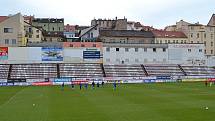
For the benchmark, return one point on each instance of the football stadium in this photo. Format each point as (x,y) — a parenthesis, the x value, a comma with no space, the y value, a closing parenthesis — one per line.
(112,70)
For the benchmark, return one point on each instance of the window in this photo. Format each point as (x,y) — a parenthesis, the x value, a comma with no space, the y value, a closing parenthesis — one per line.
(59,28)
(126,49)
(136,60)
(200,50)
(164,49)
(117,49)
(53,28)
(145,49)
(191,35)
(212,44)
(91,34)
(136,49)
(211,36)
(13,41)
(192,27)
(168,41)
(189,50)
(161,41)
(191,41)
(30,30)
(197,35)
(176,41)
(108,49)
(37,36)
(173,41)
(154,49)
(211,51)
(185,41)
(117,60)
(94,45)
(181,41)
(30,36)
(205,51)
(8,30)
(205,35)
(37,31)
(126,60)
(165,41)
(107,59)
(205,43)
(6,41)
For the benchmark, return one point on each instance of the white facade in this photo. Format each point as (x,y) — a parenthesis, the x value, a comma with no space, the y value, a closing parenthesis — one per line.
(153,54)
(90,34)
(69,35)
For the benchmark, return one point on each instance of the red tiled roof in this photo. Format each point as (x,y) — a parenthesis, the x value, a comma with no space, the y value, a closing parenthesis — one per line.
(168,34)
(2,18)
(69,28)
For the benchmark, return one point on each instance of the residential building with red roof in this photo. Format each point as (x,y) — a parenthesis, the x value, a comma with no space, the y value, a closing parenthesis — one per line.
(162,36)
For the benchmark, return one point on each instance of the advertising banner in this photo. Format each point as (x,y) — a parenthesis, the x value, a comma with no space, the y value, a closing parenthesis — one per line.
(35,80)
(52,54)
(193,80)
(3,80)
(60,83)
(62,80)
(3,53)
(42,83)
(6,84)
(21,84)
(164,77)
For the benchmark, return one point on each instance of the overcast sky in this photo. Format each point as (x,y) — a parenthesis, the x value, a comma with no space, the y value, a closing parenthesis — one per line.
(157,13)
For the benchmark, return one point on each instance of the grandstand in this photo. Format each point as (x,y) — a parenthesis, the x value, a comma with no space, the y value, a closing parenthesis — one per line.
(124,71)
(4,69)
(93,70)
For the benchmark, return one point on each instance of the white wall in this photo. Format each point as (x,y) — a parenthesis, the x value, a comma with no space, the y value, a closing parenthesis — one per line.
(143,57)
(174,54)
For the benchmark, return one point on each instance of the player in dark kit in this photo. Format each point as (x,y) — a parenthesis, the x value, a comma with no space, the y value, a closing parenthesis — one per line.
(72,85)
(62,86)
(80,86)
(114,85)
(103,84)
(97,84)
(93,85)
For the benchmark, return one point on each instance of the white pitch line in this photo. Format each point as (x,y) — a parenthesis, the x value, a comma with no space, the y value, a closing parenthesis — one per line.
(11,98)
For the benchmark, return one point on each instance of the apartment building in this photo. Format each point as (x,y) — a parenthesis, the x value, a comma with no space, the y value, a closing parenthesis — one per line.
(12,30)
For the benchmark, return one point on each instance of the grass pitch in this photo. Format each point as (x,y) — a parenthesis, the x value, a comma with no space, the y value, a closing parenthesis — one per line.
(130,102)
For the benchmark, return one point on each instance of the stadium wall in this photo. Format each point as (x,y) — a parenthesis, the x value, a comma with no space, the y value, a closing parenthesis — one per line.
(19,55)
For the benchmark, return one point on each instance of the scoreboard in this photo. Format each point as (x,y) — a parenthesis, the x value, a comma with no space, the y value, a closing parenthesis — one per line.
(91,55)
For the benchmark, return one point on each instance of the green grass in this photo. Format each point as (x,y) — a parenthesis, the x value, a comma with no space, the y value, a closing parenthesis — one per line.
(130,102)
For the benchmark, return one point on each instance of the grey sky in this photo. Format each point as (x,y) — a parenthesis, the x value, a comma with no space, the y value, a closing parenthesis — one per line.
(157,13)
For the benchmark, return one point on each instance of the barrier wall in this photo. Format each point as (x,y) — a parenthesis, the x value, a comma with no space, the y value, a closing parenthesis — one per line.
(17,55)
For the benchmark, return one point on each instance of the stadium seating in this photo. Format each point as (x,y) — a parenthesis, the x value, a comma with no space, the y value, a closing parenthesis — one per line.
(41,71)
(80,70)
(31,71)
(198,70)
(124,71)
(4,69)
(164,70)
